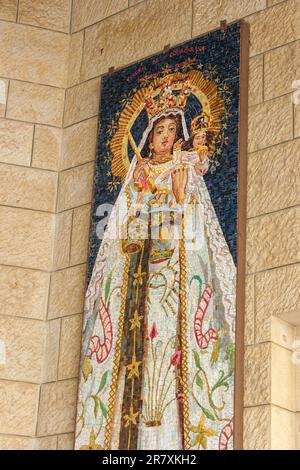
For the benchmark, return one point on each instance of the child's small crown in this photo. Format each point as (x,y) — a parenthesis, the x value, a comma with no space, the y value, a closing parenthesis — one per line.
(203,121)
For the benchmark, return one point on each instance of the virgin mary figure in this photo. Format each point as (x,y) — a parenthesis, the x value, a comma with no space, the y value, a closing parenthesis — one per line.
(157,363)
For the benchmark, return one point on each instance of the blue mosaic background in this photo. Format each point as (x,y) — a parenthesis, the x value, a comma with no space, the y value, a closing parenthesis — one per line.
(218,49)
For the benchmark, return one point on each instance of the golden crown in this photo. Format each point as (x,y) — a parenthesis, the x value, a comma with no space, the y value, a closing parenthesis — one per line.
(203,121)
(173,93)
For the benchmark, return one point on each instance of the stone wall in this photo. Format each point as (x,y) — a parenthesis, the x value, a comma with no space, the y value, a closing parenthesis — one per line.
(53,53)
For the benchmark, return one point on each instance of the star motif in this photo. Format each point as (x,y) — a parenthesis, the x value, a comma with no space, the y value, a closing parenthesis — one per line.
(131,418)
(138,277)
(135,321)
(134,368)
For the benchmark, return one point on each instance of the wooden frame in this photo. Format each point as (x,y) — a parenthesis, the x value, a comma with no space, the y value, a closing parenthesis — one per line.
(241,250)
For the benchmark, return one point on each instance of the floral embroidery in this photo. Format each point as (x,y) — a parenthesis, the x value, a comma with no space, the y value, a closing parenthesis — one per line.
(202,433)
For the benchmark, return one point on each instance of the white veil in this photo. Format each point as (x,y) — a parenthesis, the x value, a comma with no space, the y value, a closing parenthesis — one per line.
(109,244)
(109,248)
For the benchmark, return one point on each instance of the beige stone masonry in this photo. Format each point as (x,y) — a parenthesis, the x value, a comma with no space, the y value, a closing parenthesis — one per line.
(142,33)
(16,140)
(35,103)
(38,55)
(48,14)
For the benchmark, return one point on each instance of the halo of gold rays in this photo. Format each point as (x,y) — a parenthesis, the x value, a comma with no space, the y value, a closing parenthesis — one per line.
(204,89)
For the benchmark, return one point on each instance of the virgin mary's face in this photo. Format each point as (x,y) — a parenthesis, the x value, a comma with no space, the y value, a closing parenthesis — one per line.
(164,135)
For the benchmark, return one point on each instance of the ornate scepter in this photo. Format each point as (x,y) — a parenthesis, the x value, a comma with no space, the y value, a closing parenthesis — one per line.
(134,147)
(150,181)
